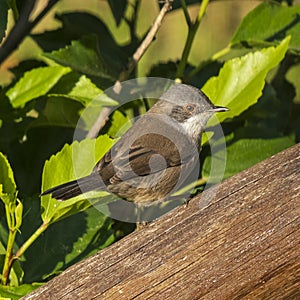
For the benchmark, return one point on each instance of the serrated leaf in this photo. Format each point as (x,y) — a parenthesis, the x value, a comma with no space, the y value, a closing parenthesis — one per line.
(65,243)
(97,235)
(72,29)
(59,111)
(86,92)
(241,80)
(8,188)
(34,84)
(73,161)
(85,57)
(244,153)
(279,22)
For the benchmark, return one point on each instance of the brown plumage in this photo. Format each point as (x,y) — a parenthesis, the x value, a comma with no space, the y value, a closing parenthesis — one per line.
(156,156)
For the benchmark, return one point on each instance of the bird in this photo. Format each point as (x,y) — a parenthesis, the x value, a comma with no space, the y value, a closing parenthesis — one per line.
(157,156)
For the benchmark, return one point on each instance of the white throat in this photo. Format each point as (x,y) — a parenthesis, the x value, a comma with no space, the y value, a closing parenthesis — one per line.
(194,126)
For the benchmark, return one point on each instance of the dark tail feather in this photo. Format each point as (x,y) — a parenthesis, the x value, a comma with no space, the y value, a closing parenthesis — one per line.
(74,188)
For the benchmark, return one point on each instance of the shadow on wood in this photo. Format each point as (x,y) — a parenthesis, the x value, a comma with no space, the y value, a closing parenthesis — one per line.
(243,245)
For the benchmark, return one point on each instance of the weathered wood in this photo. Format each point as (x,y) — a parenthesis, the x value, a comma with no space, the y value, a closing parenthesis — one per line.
(243,245)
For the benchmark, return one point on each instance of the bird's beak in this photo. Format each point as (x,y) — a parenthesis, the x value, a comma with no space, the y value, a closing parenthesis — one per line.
(219,109)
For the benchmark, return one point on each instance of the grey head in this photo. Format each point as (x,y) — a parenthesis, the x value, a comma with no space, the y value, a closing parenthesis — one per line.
(188,106)
(182,94)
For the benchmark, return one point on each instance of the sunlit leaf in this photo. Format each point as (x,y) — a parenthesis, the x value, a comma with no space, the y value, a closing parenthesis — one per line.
(85,92)
(119,124)
(8,188)
(73,161)
(241,80)
(15,293)
(34,84)
(279,22)
(19,213)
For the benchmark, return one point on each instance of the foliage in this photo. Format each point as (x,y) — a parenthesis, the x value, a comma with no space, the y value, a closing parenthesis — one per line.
(41,106)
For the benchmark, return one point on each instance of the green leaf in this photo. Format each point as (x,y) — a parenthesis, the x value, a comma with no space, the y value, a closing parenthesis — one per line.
(34,84)
(16,293)
(73,161)
(19,214)
(16,274)
(279,22)
(241,80)
(244,153)
(72,29)
(93,232)
(85,92)
(98,235)
(8,188)
(64,243)
(59,111)
(120,124)
(85,57)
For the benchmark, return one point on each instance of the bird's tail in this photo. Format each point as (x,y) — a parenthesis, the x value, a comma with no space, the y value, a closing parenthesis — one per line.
(74,188)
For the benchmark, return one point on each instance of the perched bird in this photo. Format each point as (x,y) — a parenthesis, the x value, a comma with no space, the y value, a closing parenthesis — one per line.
(157,156)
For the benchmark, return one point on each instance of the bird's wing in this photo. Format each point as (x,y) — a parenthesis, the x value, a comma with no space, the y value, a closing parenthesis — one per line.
(144,157)
(150,153)
(156,148)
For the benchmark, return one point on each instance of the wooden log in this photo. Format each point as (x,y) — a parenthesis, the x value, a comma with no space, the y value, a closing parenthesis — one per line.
(243,245)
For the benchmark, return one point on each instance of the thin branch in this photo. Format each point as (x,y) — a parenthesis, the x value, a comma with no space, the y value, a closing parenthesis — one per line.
(100,122)
(140,51)
(186,13)
(22,249)
(146,42)
(192,30)
(22,28)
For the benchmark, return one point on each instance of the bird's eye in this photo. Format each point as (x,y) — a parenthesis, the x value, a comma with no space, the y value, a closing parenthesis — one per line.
(189,108)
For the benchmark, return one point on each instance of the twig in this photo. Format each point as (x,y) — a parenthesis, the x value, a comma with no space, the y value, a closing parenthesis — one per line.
(103,116)
(22,249)
(100,122)
(22,28)
(192,30)
(147,41)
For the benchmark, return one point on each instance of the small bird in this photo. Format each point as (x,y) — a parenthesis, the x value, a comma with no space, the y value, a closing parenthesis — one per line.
(157,156)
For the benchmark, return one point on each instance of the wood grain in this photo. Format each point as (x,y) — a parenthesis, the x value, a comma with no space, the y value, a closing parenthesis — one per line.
(243,245)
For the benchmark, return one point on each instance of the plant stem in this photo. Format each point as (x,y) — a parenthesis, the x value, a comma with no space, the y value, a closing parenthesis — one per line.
(28,243)
(124,75)
(9,259)
(22,28)
(8,256)
(192,30)
(186,13)
(140,51)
